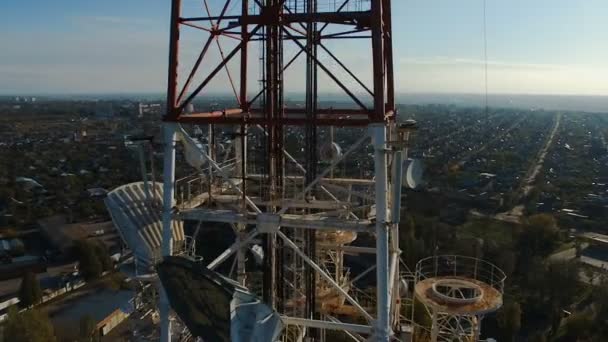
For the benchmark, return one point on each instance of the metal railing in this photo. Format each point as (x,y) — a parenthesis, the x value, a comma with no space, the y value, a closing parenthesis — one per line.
(299,6)
(189,187)
(461,267)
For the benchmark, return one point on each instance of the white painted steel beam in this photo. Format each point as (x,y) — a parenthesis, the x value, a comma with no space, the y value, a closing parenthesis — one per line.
(312,204)
(348,249)
(362,274)
(339,181)
(325,172)
(383,329)
(233,249)
(286,220)
(169,136)
(350,192)
(324,275)
(355,336)
(221,171)
(303,170)
(310,323)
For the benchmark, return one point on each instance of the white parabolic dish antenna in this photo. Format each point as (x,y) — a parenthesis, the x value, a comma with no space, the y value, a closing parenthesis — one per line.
(192,152)
(412,173)
(330,152)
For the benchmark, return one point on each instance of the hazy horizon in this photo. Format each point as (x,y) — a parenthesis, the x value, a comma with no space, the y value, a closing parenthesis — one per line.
(581,103)
(533,47)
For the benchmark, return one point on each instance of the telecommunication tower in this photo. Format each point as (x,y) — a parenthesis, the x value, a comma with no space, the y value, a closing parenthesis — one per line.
(305,207)
(292,180)
(305,218)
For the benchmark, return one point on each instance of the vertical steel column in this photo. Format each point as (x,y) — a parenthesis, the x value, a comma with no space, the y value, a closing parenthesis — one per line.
(476,326)
(388,53)
(272,111)
(241,142)
(396,187)
(241,172)
(176,8)
(310,285)
(435,327)
(144,171)
(277,37)
(169,133)
(244,56)
(378,134)
(378,61)
(211,152)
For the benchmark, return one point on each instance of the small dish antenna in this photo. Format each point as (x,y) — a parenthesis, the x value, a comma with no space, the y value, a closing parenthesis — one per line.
(412,173)
(330,152)
(198,132)
(220,148)
(193,152)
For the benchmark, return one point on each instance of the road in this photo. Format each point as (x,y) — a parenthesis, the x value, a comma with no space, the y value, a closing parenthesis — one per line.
(527,182)
(534,170)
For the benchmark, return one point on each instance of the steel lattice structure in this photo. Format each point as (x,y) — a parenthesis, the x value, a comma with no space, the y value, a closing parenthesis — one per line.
(306,218)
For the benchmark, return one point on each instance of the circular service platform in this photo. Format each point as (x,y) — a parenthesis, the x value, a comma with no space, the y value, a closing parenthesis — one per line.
(338,237)
(459,285)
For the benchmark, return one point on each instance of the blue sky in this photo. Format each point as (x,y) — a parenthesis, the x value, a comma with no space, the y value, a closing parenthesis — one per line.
(534,46)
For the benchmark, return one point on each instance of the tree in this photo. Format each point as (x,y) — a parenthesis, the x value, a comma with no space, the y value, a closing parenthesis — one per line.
(538,237)
(578,327)
(88,325)
(408,241)
(506,260)
(600,301)
(542,220)
(89,265)
(28,326)
(103,256)
(29,291)
(509,320)
(561,283)
(93,258)
(537,337)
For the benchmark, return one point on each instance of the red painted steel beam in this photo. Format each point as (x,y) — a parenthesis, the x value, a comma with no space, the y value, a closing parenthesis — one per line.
(361,18)
(215,114)
(214,72)
(293,59)
(236,94)
(244,62)
(217,32)
(330,111)
(195,68)
(344,34)
(172,113)
(337,11)
(337,60)
(292,116)
(378,59)
(388,53)
(238,120)
(377,21)
(328,72)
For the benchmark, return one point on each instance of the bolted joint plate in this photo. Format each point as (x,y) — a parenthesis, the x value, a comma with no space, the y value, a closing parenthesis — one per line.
(268,223)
